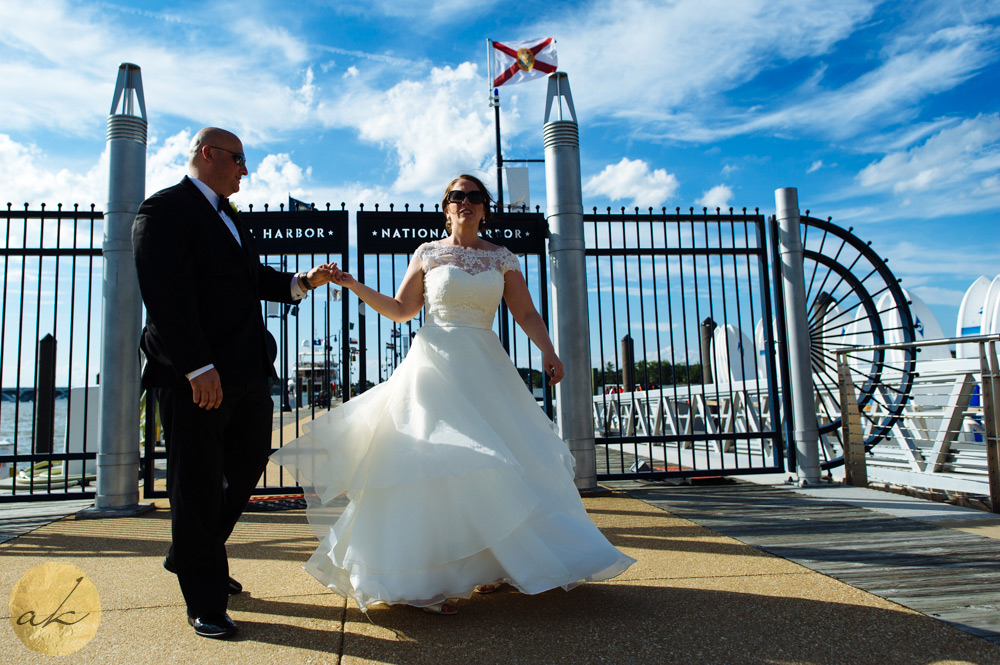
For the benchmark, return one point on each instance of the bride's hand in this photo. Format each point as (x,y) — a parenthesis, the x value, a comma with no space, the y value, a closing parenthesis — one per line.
(553,367)
(341,278)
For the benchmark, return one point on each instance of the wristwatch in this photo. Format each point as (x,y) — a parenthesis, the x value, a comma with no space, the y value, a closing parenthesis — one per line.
(305,281)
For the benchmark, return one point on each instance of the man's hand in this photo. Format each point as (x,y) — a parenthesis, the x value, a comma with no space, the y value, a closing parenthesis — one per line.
(321,274)
(206,390)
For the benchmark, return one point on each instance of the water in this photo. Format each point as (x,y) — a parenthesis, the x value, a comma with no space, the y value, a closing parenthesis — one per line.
(22,414)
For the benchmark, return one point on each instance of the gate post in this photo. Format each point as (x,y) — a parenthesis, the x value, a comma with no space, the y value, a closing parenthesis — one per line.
(568,265)
(805,433)
(118,454)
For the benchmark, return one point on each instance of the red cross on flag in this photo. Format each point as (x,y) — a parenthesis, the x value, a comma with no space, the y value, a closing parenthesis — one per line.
(517,62)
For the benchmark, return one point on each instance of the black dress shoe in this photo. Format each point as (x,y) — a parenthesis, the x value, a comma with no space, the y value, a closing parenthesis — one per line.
(219,627)
(232,586)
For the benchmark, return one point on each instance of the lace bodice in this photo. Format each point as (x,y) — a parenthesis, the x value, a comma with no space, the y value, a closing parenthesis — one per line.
(463,286)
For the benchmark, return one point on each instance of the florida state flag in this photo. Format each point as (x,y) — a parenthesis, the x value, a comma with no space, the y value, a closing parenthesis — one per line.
(517,62)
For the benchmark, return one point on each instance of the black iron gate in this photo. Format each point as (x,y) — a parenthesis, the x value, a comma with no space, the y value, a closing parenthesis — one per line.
(49,352)
(684,365)
(684,326)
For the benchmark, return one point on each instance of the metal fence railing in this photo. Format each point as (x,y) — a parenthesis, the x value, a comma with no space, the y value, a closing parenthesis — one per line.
(50,310)
(682,325)
(946,436)
(683,383)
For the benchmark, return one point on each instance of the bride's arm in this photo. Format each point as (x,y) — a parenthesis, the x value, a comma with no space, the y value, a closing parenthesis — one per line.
(518,299)
(409,298)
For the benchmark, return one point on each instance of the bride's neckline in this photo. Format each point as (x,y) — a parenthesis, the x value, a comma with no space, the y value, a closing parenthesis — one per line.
(487,250)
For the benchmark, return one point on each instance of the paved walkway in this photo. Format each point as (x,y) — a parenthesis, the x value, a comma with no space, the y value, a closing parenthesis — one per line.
(695,596)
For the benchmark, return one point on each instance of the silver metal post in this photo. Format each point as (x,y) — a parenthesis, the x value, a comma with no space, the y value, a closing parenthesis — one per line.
(990,383)
(574,399)
(118,456)
(803,411)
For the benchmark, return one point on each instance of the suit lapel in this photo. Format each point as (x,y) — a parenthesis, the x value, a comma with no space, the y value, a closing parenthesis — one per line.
(220,233)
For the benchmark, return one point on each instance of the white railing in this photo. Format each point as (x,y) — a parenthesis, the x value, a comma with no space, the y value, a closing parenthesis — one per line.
(946,437)
(693,427)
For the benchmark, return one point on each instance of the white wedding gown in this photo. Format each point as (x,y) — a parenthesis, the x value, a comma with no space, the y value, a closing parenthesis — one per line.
(454,475)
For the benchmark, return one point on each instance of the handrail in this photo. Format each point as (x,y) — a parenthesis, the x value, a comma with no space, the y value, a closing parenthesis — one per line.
(971,339)
(989,387)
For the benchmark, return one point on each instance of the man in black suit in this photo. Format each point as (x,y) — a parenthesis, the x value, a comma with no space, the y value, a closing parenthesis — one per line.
(207,357)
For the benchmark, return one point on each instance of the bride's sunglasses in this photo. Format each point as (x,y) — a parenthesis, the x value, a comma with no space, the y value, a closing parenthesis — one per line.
(457,196)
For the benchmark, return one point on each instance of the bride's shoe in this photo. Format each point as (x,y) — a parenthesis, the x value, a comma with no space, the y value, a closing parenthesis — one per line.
(441,608)
(489,588)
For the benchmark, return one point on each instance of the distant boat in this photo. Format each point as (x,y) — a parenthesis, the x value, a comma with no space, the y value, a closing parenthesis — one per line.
(989,304)
(732,355)
(925,326)
(314,368)
(970,315)
(995,319)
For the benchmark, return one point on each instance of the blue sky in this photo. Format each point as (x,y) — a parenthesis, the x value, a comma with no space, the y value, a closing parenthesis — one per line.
(884,115)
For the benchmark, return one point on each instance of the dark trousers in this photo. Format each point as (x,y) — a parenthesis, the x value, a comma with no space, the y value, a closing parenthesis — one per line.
(214,460)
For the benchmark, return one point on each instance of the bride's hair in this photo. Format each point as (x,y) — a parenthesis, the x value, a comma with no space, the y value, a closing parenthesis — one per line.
(487,200)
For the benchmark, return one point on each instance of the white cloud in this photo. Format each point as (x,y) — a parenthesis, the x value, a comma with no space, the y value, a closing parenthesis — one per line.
(815,166)
(924,266)
(166,163)
(670,56)
(59,54)
(436,127)
(970,150)
(632,179)
(667,56)
(933,295)
(273,181)
(654,92)
(24,179)
(431,12)
(273,39)
(717,197)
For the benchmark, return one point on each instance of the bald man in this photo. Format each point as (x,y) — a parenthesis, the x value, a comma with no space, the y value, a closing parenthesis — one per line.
(208,359)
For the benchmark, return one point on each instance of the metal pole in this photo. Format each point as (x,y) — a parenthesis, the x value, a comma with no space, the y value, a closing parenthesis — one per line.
(803,413)
(118,455)
(855,471)
(567,260)
(706,332)
(990,371)
(628,364)
(45,397)
(495,101)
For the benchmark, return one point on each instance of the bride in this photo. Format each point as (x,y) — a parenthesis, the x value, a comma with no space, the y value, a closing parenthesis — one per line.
(456,480)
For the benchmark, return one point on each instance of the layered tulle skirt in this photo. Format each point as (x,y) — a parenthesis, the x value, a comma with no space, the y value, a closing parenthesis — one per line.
(454,477)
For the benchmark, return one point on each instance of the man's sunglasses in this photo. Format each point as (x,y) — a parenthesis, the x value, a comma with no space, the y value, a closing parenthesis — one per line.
(238,157)
(457,196)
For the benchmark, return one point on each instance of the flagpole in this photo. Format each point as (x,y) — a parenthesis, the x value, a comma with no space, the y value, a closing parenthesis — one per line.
(495,103)
(496,110)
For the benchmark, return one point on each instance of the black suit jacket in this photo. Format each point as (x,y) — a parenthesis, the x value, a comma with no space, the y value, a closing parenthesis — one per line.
(202,291)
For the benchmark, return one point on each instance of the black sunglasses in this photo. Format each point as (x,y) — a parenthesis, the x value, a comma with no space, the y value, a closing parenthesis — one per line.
(457,196)
(238,157)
